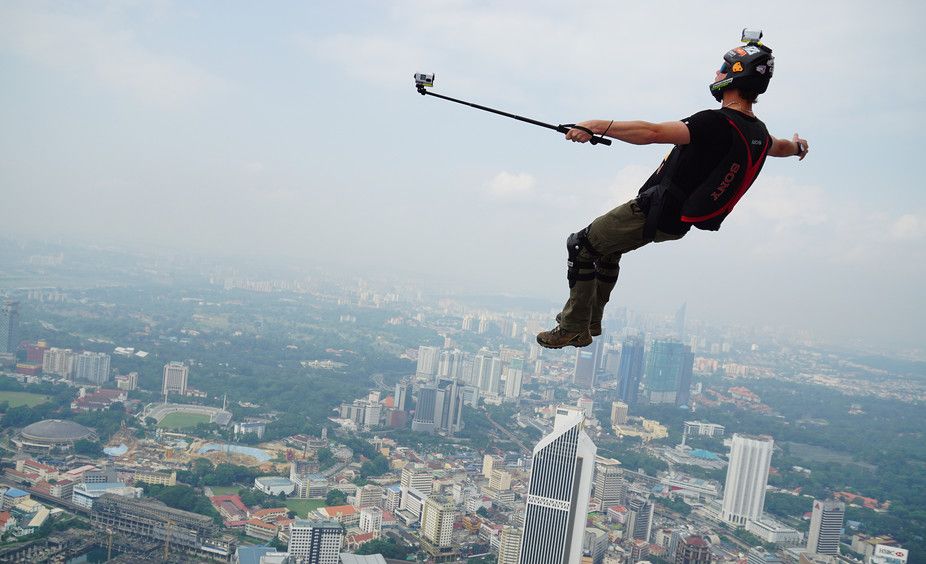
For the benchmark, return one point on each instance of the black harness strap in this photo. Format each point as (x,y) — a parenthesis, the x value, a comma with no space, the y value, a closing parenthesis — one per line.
(658,194)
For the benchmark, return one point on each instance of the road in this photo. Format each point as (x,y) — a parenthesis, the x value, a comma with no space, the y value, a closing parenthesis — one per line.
(508,434)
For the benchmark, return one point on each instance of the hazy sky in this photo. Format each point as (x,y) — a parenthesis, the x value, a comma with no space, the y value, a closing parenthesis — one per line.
(293,129)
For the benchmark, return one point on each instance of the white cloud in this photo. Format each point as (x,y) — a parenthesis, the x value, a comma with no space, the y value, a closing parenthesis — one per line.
(509,186)
(908,227)
(92,47)
(785,203)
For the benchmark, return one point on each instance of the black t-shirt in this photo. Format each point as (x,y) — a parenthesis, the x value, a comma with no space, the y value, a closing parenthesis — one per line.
(710,142)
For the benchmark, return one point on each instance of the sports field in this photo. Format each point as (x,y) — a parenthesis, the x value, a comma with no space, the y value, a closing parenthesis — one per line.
(302,506)
(224,490)
(179,420)
(16,399)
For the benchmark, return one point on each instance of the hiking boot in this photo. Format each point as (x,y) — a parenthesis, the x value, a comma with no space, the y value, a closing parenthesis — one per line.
(594,328)
(558,338)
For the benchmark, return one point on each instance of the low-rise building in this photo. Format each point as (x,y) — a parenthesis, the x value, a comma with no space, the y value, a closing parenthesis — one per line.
(274,485)
(770,530)
(346,515)
(85,494)
(260,529)
(155,478)
(230,507)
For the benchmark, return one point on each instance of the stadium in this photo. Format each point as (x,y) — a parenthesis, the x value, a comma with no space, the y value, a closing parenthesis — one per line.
(52,435)
(182,415)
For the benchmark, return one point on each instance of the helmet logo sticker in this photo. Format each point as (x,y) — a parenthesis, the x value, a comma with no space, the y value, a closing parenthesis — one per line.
(761,69)
(740,51)
(737,67)
(751,49)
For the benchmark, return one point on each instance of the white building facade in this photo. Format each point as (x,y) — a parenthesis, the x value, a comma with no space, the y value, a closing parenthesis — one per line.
(560,485)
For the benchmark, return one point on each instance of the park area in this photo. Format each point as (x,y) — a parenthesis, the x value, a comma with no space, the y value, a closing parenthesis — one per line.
(180,420)
(17,399)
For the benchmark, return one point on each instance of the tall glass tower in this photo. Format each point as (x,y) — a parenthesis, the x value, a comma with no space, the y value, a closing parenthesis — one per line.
(630,370)
(557,501)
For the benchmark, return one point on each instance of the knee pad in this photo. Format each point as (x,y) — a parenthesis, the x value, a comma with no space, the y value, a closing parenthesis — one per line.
(575,244)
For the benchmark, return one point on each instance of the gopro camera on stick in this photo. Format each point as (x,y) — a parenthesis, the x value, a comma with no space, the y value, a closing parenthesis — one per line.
(752,35)
(424,79)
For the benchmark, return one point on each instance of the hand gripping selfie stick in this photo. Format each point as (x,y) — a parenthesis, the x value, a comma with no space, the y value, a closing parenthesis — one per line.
(423,81)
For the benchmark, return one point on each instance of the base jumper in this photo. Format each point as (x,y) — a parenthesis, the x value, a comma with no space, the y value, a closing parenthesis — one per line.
(717,156)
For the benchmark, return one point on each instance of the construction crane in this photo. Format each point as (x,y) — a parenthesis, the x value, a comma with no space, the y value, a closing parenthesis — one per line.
(170,524)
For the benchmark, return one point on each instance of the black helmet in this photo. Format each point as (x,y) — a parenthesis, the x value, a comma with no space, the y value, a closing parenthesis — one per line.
(749,67)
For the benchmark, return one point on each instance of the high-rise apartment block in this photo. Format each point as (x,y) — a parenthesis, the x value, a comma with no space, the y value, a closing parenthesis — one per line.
(315,541)
(560,485)
(428,359)
(630,371)
(826,527)
(92,367)
(747,477)
(514,377)
(175,378)
(9,326)
(59,362)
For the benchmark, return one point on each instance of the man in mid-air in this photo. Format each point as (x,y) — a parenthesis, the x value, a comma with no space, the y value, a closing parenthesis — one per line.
(717,156)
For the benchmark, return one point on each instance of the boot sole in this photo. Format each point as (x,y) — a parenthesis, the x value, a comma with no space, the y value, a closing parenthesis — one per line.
(564,345)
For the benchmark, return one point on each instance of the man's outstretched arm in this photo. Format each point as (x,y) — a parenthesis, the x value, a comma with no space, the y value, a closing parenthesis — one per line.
(796,147)
(634,132)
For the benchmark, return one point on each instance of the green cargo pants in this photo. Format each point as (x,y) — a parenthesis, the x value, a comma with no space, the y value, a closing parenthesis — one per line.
(617,232)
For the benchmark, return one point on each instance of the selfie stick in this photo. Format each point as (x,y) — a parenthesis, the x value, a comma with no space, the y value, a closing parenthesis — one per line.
(424,80)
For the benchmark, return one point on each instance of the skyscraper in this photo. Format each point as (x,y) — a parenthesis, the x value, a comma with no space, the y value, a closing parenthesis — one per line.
(747,476)
(826,527)
(560,484)
(448,415)
(315,541)
(175,378)
(425,409)
(609,482)
(680,322)
(640,518)
(668,372)
(428,358)
(630,371)
(9,326)
(583,372)
(403,396)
